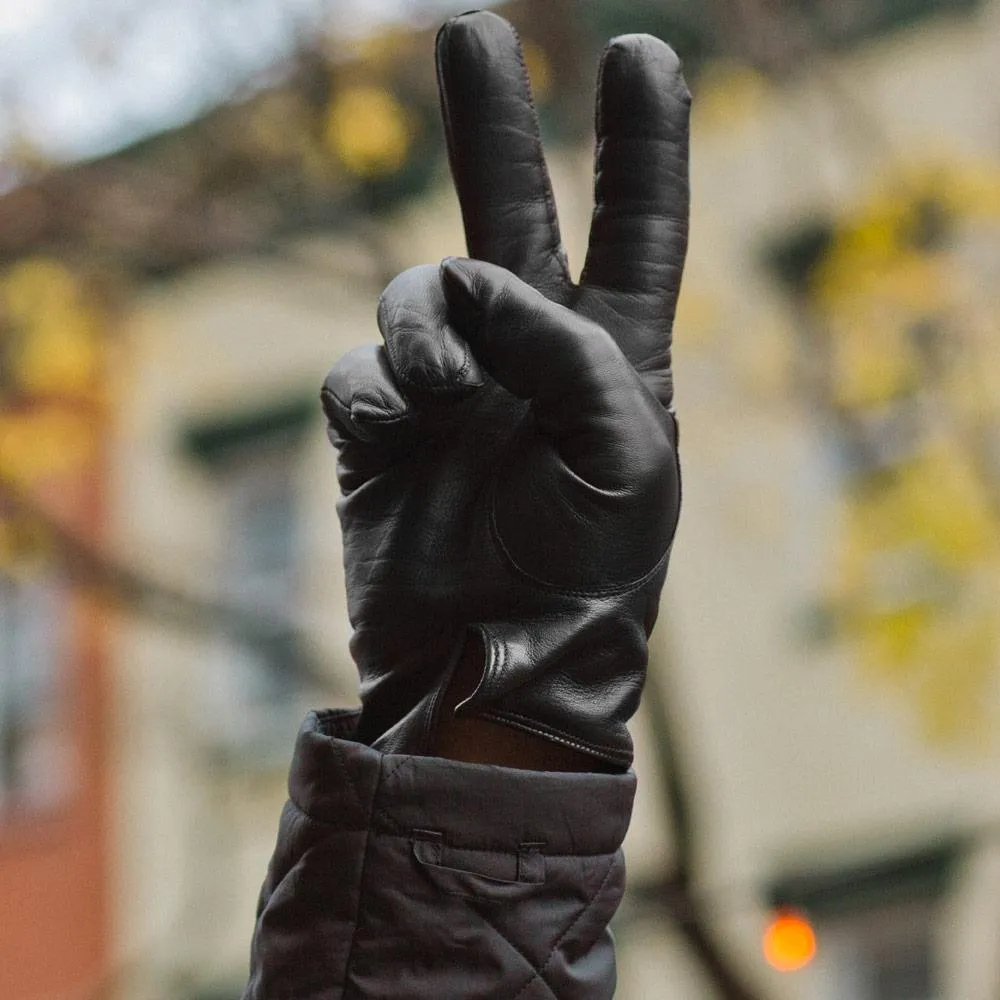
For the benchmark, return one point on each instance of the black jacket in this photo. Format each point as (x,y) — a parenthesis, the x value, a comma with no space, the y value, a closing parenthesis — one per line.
(401,877)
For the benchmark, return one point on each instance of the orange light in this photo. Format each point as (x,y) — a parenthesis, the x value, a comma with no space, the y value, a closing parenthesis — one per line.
(789,941)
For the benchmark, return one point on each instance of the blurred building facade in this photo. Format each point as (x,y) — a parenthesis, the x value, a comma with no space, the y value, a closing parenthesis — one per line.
(826,663)
(55,772)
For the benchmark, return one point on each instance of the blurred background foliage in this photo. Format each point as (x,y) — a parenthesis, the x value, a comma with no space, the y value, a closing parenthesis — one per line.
(901,331)
(142,141)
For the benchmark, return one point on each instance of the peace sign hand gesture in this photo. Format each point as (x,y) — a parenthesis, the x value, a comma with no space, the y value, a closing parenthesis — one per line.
(508,458)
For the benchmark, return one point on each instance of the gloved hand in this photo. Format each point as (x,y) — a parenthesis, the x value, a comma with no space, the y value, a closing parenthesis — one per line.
(508,459)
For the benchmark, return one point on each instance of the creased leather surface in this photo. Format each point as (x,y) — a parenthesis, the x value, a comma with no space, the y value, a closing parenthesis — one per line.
(417,878)
(508,457)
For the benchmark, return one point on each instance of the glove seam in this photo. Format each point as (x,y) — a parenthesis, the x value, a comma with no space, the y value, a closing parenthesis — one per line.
(493,668)
(522,722)
(556,253)
(622,588)
(556,250)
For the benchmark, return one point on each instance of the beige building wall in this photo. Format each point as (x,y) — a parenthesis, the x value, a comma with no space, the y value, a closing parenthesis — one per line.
(793,757)
(196,829)
(797,758)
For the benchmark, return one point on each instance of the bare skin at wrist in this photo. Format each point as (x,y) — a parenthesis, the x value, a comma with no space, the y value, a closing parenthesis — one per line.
(480,741)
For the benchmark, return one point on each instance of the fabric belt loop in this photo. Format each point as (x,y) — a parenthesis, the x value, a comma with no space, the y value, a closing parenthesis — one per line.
(428,846)
(530,864)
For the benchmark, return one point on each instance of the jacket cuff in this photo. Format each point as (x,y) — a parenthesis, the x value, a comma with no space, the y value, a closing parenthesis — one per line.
(421,878)
(336,780)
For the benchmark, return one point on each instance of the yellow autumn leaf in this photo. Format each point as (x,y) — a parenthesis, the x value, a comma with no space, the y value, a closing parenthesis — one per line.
(934,507)
(34,284)
(22,547)
(872,364)
(729,94)
(45,444)
(917,574)
(859,282)
(965,187)
(366,128)
(952,695)
(57,339)
(60,354)
(893,639)
(944,504)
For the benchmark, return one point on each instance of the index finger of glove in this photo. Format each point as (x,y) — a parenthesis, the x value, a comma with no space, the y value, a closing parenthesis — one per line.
(638,235)
(495,150)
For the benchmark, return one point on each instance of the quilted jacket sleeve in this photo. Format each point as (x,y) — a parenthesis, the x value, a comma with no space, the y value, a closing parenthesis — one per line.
(415,878)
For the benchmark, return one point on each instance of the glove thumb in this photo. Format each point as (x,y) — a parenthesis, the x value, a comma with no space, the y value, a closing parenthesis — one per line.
(596,448)
(587,398)
(532,346)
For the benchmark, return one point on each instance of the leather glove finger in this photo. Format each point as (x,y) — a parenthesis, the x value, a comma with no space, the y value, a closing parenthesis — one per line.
(599,447)
(495,151)
(361,398)
(430,360)
(586,395)
(370,420)
(377,398)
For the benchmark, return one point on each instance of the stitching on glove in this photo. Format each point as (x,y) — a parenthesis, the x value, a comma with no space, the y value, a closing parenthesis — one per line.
(622,588)
(522,722)
(556,252)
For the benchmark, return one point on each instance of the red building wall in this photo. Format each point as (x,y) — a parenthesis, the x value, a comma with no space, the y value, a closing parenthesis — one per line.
(54,862)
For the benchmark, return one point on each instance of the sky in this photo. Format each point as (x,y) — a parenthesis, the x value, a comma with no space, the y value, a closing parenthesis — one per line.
(82,77)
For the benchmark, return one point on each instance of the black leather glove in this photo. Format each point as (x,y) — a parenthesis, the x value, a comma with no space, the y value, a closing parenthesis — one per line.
(508,458)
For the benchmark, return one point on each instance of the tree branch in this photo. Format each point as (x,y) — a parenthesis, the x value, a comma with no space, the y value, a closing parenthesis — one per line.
(145,597)
(674,895)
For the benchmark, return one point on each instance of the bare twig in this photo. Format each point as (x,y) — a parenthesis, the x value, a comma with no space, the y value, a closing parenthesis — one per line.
(146,597)
(675,895)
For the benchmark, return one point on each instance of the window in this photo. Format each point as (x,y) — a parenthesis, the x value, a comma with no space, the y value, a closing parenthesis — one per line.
(259,559)
(883,953)
(34,766)
(845,22)
(876,923)
(252,685)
